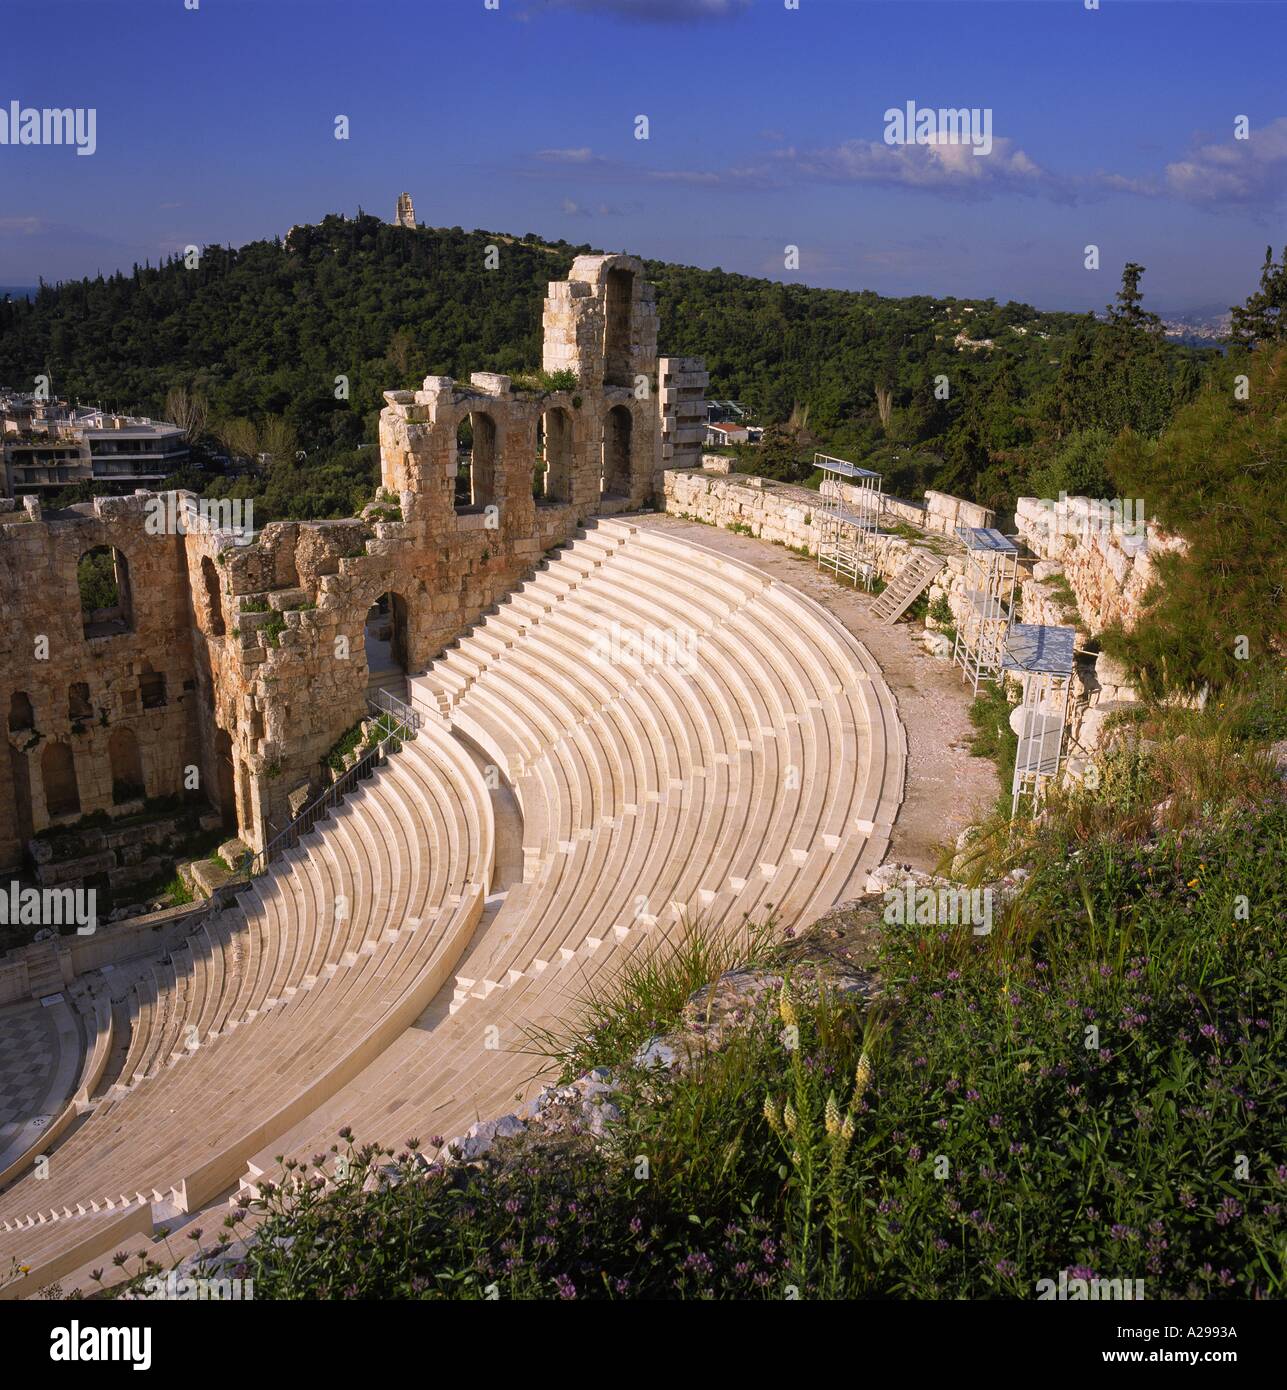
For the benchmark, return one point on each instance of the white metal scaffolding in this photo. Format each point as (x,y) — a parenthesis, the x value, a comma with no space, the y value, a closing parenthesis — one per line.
(848,525)
(991,571)
(1043,658)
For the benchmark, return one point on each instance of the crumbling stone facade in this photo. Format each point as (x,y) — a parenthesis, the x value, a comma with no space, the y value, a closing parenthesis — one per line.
(98,714)
(262,647)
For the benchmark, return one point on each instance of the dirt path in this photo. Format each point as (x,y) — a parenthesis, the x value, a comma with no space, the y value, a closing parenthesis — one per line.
(947,788)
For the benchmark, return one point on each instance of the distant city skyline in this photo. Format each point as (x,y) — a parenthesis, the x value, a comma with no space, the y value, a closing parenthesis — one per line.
(1117,127)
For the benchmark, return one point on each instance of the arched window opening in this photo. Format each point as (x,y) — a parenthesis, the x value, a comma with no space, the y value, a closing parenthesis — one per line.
(552,480)
(21,715)
(104,580)
(619,296)
(225,780)
(151,687)
(475,462)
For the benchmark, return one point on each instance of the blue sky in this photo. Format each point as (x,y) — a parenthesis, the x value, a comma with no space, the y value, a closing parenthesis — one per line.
(1112,126)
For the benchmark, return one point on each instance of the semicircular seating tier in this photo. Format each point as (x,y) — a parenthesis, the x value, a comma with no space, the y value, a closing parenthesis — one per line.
(684,738)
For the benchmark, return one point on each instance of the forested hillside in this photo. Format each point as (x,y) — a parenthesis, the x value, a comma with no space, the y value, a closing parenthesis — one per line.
(256,339)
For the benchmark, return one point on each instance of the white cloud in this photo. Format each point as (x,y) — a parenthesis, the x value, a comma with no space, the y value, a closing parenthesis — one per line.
(943,167)
(1245,172)
(583,155)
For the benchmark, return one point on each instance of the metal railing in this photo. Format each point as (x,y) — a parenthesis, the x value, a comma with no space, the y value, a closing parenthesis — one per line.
(396,722)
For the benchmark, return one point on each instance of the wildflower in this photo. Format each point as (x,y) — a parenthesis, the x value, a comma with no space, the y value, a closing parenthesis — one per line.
(786,1008)
(862,1077)
(831,1117)
(789,1118)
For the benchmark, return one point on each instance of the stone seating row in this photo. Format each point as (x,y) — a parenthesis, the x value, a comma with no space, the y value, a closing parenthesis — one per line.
(651,792)
(369,914)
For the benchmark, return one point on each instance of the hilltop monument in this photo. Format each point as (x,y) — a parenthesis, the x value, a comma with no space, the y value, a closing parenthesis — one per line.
(406,214)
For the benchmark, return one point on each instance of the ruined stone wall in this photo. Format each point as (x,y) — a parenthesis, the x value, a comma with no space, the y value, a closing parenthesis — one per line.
(90,695)
(293,677)
(781,512)
(262,646)
(683,382)
(1107,558)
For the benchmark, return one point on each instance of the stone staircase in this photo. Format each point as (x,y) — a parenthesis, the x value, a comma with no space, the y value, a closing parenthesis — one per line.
(906,586)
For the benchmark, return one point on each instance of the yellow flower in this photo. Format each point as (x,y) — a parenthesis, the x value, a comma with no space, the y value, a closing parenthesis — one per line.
(786,1008)
(771,1115)
(789,1118)
(862,1078)
(847,1129)
(832,1115)
(1193,883)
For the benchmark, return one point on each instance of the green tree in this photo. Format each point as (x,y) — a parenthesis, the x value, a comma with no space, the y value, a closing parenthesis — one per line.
(1217,477)
(1262,318)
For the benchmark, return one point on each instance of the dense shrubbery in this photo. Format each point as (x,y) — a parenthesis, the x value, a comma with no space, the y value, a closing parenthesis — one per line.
(1217,476)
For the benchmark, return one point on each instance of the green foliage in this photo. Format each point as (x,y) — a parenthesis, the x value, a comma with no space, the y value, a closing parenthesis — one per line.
(1076,466)
(258,336)
(646,997)
(779,456)
(1263,318)
(96,576)
(343,746)
(1216,478)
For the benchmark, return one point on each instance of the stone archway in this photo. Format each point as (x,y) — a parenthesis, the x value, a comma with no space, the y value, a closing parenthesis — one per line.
(552,480)
(387,645)
(21,714)
(103,577)
(476,454)
(618,430)
(619,293)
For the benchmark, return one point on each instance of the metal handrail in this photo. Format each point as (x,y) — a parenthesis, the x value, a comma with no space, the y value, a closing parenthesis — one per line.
(397,722)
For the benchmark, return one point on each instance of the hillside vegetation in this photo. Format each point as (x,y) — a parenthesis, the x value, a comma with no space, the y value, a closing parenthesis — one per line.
(261,334)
